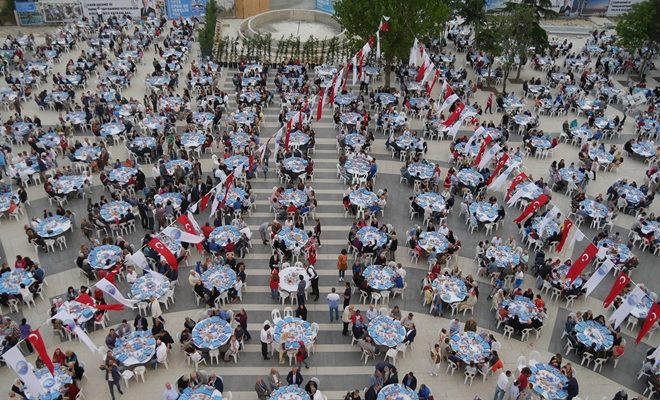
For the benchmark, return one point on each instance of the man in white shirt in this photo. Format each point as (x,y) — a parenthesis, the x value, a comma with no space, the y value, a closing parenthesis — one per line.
(170,393)
(333,304)
(496,241)
(371,313)
(502,384)
(266,337)
(161,353)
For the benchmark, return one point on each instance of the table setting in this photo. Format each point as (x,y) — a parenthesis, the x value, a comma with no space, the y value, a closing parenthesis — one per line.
(469,346)
(175,198)
(157,81)
(644,149)
(406,141)
(363,198)
(295,196)
(540,143)
(571,174)
(601,156)
(289,278)
(112,129)
(605,123)
(385,98)
(462,148)
(239,140)
(504,255)
(397,391)
(593,333)
(550,228)
(236,193)
(413,86)
(522,308)
(250,97)
(293,237)
(219,277)
(593,209)
(548,382)
(203,392)
(122,175)
(325,70)
(171,102)
(202,118)
(485,212)
(52,226)
(138,347)
(379,277)
(87,153)
(143,142)
(633,195)
(10,282)
(469,177)
(291,392)
(529,190)
(649,226)
(234,161)
(451,289)
(369,234)
(345,99)
(297,138)
(155,122)
(432,199)
(150,286)
(294,165)
(386,331)
(211,333)
(421,170)
(6,199)
(105,256)
(290,331)
(115,211)
(371,70)
(222,234)
(513,102)
(583,133)
(192,140)
(54,384)
(357,166)
(81,312)
(617,252)
(395,119)
(251,81)
(50,139)
(350,118)
(433,242)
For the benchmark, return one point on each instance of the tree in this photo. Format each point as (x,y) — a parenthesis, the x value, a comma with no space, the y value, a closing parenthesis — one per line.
(639,31)
(542,8)
(408,19)
(489,38)
(207,34)
(472,11)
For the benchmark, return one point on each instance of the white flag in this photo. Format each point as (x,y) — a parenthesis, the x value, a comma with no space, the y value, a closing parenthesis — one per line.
(550,216)
(628,304)
(448,102)
(112,290)
(138,259)
(178,234)
(412,60)
(82,335)
(474,136)
(355,69)
(453,130)
(597,277)
(497,183)
(485,158)
(578,236)
(66,317)
(516,196)
(429,70)
(194,223)
(338,82)
(157,276)
(15,360)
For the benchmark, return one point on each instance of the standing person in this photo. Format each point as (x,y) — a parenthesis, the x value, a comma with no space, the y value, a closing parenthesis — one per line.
(342,264)
(266,337)
(333,304)
(25,329)
(434,362)
(17,105)
(347,294)
(314,279)
(502,384)
(317,231)
(300,291)
(112,376)
(302,355)
(242,318)
(489,104)
(275,284)
(346,318)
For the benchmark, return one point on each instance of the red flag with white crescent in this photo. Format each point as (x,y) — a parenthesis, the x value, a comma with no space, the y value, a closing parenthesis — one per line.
(454,115)
(86,299)
(498,168)
(448,91)
(164,251)
(581,263)
(486,142)
(435,79)
(205,201)
(38,343)
(190,228)
(566,228)
(519,178)
(621,281)
(533,206)
(651,320)
(228,184)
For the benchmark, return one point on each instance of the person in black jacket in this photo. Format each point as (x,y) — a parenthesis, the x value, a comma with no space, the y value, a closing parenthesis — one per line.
(410,380)
(140,323)
(112,376)
(294,377)
(372,393)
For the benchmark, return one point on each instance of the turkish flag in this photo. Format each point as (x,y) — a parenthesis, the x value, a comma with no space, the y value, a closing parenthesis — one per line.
(188,227)
(435,79)
(568,224)
(454,115)
(498,168)
(519,178)
(621,281)
(205,201)
(651,320)
(581,263)
(449,91)
(533,206)
(86,299)
(38,343)
(228,184)
(486,142)
(162,249)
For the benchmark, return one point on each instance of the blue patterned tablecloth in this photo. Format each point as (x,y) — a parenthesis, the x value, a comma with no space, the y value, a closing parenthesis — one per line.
(157,80)
(202,393)
(484,211)
(53,385)
(345,99)
(295,196)
(81,312)
(105,256)
(530,190)
(291,392)
(173,197)
(53,226)
(155,122)
(602,156)
(397,391)
(644,149)
(369,234)
(386,331)
(395,119)
(649,226)
(144,142)
(461,148)
(550,228)
(469,177)
(211,333)
(20,129)
(251,80)
(583,132)
(633,195)
(202,118)
(469,346)
(435,200)
(234,161)
(513,102)
(50,139)
(419,102)
(171,102)
(221,234)
(239,140)
(192,140)
(413,86)
(379,277)
(297,138)
(548,382)
(290,331)
(641,310)
(73,79)
(112,128)
(220,277)
(289,81)
(88,153)
(604,122)
(592,332)
(567,174)
(521,307)
(296,165)
(433,242)
(250,97)
(149,286)
(450,288)
(622,250)
(406,141)
(421,170)
(385,98)
(244,118)
(371,70)
(122,175)
(293,237)
(350,118)
(10,282)
(593,209)
(504,255)
(114,210)
(236,193)
(325,70)
(363,198)
(136,348)
(542,143)
(5,200)
(357,166)
(522,119)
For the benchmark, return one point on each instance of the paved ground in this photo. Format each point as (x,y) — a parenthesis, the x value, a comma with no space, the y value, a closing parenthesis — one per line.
(337,363)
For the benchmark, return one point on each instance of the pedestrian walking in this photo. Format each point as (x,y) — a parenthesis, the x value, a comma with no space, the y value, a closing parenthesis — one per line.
(112,376)
(314,280)
(333,304)
(342,264)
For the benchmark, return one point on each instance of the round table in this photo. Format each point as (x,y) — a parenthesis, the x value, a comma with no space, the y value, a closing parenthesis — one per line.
(462,148)
(222,234)
(52,226)
(87,153)
(68,183)
(522,308)
(601,156)
(641,310)
(504,255)
(548,382)
(112,129)
(385,98)
(345,99)
(568,174)
(234,161)
(295,196)
(293,238)
(406,141)
(379,277)
(155,122)
(244,118)
(81,312)
(297,138)
(203,392)
(592,333)
(421,170)
(53,385)
(469,347)
(150,286)
(5,200)
(350,118)
(358,166)
(363,198)
(386,331)
(644,149)
(633,195)
(114,210)
(593,209)
(291,392)
(289,278)
(354,140)
(433,242)
(294,165)
(450,288)
(397,391)
(122,175)
(211,333)
(623,252)
(50,139)
(10,282)
(540,142)
(202,118)
(485,212)
(291,331)
(174,198)
(240,139)
(435,200)
(369,234)
(219,277)
(105,256)
(192,140)
(135,348)
(529,190)
(469,177)
(395,119)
